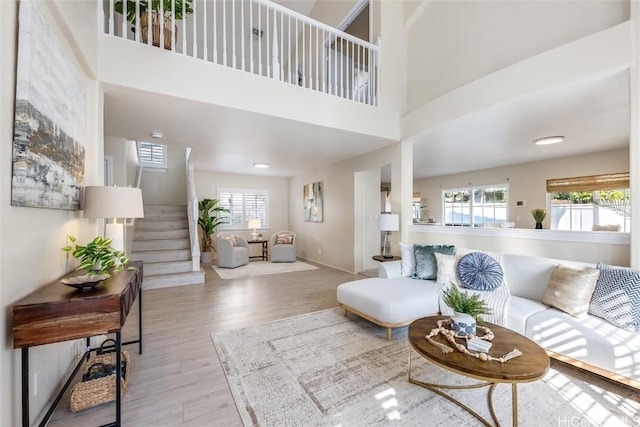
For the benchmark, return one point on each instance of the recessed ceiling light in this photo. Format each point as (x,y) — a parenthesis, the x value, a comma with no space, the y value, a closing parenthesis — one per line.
(261,165)
(548,140)
(156,135)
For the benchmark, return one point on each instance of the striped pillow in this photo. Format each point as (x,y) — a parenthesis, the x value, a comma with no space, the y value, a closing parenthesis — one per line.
(616,297)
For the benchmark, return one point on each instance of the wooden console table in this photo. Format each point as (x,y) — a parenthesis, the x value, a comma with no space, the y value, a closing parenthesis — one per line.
(55,313)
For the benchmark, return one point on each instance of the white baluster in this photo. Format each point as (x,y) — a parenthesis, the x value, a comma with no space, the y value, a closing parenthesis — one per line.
(215,31)
(205,29)
(233,33)
(242,36)
(275,54)
(224,32)
(124,20)
(194,43)
(251,35)
(111,16)
(161,18)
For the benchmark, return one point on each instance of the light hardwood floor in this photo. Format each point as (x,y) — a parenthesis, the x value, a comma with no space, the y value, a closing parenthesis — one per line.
(178,380)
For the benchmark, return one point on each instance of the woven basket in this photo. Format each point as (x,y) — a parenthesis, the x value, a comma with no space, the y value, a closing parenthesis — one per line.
(155,29)
(87,394)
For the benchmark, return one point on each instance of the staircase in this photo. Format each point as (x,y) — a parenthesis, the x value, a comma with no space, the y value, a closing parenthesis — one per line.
(161,241)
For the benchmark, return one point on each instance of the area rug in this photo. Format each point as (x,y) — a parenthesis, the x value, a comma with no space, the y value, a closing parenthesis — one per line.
(325,369)
(261,268)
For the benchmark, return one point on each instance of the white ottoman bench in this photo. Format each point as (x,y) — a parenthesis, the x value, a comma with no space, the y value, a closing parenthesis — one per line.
(390,303)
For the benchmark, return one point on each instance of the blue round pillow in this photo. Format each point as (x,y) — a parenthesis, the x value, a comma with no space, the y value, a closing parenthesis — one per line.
(479,271)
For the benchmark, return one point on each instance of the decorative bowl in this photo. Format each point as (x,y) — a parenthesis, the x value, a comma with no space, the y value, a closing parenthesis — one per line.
(85,282)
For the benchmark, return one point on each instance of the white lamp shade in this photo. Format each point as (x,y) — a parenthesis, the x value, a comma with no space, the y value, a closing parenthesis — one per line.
(254,223)
(388,222)
(113,202)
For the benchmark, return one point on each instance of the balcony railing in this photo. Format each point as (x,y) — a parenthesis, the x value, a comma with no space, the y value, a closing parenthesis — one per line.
(255,36)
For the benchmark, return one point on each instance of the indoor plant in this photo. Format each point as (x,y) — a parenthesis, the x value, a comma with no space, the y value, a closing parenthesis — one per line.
(208,220)
(538,216)
(469,309)
(97,257)
(176,8)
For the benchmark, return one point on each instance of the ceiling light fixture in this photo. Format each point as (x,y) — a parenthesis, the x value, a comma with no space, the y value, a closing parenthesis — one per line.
(156,135)
(548,140)
(261,165)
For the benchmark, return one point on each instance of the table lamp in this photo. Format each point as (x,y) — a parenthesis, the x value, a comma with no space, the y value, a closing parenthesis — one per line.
(113,202)
(254,223)
(388,223)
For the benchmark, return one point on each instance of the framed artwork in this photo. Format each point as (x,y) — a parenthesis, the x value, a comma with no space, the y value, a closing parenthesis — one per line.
(313,199)
(50,115)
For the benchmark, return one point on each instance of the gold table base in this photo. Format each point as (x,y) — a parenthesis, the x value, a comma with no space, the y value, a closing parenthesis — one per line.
(438,389)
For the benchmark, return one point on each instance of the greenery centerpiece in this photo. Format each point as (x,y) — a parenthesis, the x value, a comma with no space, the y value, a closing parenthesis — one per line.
(166,9)
(208,219)
(469,310)
(97,257)
(538,216)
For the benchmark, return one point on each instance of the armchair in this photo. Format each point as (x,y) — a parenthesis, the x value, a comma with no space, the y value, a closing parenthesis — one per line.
(233,251)
(283,246)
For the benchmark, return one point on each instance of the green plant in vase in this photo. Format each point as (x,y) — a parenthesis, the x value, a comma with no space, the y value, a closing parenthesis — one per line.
(463,302)
(165,9)
(209,218)
(97,256)
(468,308)
(538,216)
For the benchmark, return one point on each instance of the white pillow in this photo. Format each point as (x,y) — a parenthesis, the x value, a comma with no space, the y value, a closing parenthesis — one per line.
(447,269)
(408,264)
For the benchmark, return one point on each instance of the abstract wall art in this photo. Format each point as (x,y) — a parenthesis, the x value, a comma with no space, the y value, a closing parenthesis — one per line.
(313,200)
(50,115)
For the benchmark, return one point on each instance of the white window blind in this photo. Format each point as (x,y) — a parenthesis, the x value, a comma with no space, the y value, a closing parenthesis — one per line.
(243,205)
(152,155)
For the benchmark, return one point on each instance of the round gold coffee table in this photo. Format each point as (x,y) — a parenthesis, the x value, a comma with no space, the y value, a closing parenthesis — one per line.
(532,365)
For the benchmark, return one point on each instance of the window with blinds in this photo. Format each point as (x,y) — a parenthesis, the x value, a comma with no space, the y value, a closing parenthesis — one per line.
(244,205)
(590,203)
(152,155)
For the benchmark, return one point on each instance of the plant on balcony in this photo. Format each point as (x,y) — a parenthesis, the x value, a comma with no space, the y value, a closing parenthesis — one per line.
(208,219)
(158,8)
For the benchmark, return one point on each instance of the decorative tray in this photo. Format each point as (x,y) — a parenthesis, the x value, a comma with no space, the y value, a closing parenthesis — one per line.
(84,282)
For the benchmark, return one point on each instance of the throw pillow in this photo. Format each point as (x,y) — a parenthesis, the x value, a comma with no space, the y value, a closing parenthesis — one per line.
(616,297)
(230,237)
(479,271)
(426,266)
(570,290)
(446,268)
(284,239)
(408,263)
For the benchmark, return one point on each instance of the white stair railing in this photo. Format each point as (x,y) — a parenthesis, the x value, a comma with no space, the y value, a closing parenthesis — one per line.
(255,36)
(192,214)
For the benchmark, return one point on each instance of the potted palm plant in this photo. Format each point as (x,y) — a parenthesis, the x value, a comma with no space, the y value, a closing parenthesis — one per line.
(469,310)
(158,9)
(208,219)
(538,216)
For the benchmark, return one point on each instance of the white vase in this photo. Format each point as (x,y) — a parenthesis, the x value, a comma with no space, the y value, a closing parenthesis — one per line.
(463,324)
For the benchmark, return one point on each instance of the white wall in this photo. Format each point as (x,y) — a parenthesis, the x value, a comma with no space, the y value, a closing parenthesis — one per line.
(207,184)
(452,43)
(526,181)
(33,237)
(166,187)
(331,242)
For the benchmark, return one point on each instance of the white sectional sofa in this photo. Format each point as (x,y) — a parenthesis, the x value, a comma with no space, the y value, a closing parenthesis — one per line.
(589,342)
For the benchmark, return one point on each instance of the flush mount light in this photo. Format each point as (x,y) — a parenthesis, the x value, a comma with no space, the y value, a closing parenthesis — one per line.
(156,135)
(548,140)
(261,165)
